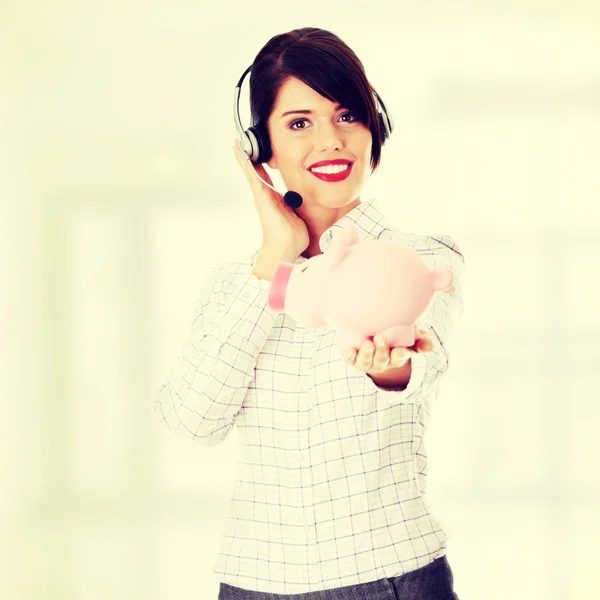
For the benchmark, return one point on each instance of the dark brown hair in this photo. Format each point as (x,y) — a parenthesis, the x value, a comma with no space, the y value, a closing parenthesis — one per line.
(321,60)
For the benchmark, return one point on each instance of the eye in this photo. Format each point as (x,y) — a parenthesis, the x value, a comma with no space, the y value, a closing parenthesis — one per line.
(349,114)
(291,126)
(304,269)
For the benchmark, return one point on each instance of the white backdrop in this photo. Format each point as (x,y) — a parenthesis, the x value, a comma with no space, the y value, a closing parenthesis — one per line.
(119,191)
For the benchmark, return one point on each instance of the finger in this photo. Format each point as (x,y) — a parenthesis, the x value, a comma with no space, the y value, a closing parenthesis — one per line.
(243,160)
(400,356)
(381,359)
(424,343)
(252,171)
(349,355)
(237,149)
(263,173)
(364,359)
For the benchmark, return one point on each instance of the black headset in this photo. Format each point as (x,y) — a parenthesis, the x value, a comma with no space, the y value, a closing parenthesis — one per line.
(255,143)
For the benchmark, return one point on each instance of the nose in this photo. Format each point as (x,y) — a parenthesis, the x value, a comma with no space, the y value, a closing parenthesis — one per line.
(329,137)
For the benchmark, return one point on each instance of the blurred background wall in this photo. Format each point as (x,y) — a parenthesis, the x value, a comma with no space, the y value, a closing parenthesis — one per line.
(119,192)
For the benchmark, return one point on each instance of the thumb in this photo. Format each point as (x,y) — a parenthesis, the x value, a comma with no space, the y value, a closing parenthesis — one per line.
(424,344)
(244,162)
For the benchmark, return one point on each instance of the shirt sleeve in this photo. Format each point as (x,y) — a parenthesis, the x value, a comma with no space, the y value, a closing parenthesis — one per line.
(445,309)
(204,391)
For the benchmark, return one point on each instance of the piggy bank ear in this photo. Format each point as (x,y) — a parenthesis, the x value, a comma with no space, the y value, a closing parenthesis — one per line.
(442,278)
(343,239)
(351,233)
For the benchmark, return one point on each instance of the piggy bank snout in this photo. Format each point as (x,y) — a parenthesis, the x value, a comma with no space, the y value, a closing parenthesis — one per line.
(279,284)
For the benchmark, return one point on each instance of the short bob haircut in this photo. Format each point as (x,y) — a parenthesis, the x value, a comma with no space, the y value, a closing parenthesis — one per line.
(321,60)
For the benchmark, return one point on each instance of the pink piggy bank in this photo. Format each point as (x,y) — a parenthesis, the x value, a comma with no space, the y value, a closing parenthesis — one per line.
(361,289)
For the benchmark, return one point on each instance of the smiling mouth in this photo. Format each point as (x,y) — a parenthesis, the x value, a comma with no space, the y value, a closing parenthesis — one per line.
(332,173)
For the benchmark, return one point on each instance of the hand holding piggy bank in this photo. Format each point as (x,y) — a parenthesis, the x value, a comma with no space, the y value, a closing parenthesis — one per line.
(361,289)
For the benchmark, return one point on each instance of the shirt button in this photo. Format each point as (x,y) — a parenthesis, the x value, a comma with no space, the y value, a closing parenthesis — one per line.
(301,457)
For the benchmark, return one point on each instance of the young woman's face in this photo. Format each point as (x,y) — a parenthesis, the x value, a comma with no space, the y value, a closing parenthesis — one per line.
(316,130)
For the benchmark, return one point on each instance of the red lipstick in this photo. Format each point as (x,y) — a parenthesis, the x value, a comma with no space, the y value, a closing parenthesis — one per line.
(332,177)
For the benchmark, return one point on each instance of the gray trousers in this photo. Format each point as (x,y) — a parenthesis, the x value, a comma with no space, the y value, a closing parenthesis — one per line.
(431,582)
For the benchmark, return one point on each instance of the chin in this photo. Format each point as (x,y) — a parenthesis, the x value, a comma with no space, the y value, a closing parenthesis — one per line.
(339,200)
(335,194)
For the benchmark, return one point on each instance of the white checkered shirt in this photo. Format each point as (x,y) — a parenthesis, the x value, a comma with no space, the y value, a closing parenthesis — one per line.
(331,480)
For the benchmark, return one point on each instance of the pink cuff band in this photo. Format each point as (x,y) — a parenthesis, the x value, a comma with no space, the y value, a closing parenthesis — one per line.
(278,287)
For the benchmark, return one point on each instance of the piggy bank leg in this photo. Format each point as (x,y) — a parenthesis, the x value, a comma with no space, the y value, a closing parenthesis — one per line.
(351,339)
(401,335)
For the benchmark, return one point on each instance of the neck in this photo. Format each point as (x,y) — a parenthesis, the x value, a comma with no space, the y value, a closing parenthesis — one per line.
(319,219)
(313,250)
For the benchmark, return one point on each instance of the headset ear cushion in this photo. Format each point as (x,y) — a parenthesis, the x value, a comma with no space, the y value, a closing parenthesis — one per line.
(250,145)
(263,143)
(246,144)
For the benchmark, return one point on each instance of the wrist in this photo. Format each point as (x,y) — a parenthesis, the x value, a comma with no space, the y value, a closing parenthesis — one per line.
(267,262)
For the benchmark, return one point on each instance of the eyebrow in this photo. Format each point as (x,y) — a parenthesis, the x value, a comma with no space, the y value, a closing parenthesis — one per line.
(304,111)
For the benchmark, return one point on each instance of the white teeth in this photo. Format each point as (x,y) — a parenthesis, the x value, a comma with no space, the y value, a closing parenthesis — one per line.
(330,169)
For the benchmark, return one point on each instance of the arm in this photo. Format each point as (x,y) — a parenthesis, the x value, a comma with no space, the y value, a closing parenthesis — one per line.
(204,390)
(267,261)
(427,368)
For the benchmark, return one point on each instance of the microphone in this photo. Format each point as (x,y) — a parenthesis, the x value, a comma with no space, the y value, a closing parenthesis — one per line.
(292,199)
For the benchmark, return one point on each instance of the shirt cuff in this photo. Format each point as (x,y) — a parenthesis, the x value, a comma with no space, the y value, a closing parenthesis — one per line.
(262,284)
(409,395)
(252,290)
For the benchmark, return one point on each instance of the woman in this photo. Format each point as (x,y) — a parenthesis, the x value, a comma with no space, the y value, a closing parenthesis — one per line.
(329,501)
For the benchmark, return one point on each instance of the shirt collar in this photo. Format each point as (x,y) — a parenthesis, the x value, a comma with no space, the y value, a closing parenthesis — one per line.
(367,217)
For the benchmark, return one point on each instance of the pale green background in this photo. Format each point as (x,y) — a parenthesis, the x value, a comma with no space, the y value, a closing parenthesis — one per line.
(119,191)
